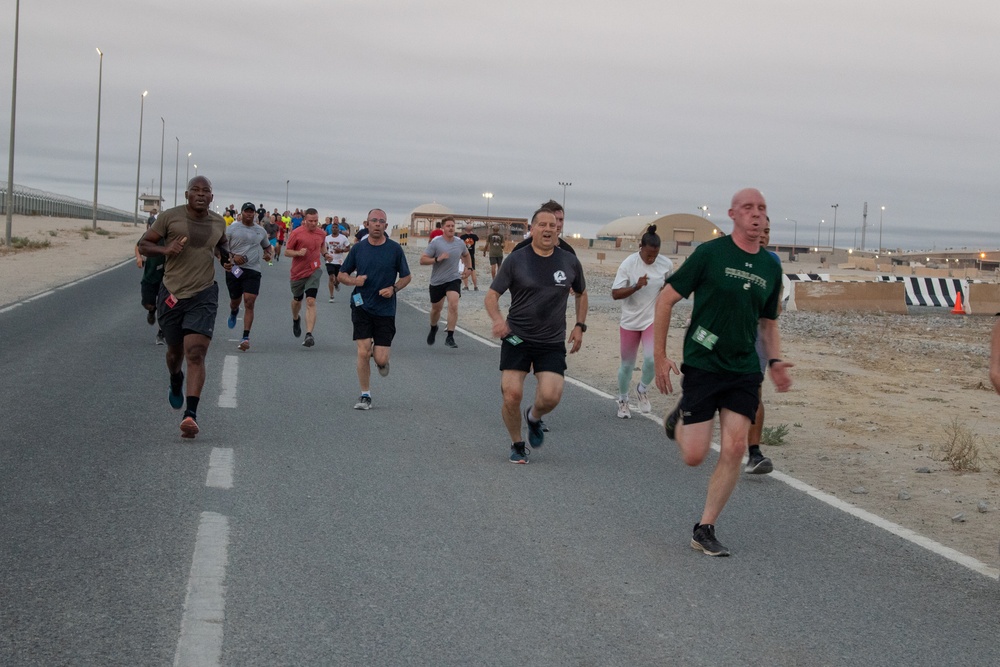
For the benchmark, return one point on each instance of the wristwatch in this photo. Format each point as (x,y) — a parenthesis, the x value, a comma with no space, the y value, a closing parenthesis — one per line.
(583,327)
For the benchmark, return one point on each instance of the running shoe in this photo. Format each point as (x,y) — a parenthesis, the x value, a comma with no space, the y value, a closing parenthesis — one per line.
(623,411)
(704,540)
(643,401)
(518,454)
(364,403)
(758,464)
(232,318)
(151,317)
(174,394)
(244,344)
(431,335)
(535,434)
(160,340)
(309,341)
(331,299)
(383,370)
(296,328)
(449,340)
(189,427)
(670,423)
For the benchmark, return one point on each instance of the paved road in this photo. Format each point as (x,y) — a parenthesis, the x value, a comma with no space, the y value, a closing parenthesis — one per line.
(402,535)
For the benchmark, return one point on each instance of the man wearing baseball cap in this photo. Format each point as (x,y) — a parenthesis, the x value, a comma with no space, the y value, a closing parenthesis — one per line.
(248,244)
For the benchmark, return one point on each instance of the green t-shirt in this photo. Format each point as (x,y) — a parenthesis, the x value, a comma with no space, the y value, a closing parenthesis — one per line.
(733,290)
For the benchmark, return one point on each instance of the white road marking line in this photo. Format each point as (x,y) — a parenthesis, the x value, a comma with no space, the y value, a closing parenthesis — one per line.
(911,536)
(10,308)
(39,296)
(200,642)
(230,374)
(220,468)
(94,275)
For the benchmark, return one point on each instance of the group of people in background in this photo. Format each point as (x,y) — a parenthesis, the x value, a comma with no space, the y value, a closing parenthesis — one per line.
(731,342)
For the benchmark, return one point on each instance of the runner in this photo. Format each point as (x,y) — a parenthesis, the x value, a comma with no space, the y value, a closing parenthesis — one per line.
(470,240)
(444,253)
(189,297)
(377,263)
(337,246)
(736,287)
(494,246)
(638,282)
(305,245)
(539,279)
(248,245)
(280,234)
(757,463)
(272,235)
(149,286)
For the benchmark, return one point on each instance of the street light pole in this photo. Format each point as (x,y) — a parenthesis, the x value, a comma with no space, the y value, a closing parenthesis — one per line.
(97,151)
(488,196)
(13,113)
(187,173)
(177,164)
(795,240)
(819,228)
(138,164)
(196,171)
(286,193)
(564,185)
(163,136)
(833,245)
(704,209)
(880,228)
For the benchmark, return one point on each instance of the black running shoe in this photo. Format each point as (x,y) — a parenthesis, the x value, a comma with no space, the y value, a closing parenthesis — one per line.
(518,454)
(449,340)
(759,464)
(535,434)
(432,335)
(704,540)
(297,328)
(151,317)
(670,423)
(309,341)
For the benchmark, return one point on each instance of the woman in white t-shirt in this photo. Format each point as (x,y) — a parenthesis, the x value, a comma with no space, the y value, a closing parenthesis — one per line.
(637,284)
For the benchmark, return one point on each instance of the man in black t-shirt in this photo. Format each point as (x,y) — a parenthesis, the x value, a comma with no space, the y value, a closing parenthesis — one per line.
(470,240)
(539,278)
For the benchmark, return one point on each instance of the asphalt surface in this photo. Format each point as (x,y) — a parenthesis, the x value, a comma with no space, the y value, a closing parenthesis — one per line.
(402,535)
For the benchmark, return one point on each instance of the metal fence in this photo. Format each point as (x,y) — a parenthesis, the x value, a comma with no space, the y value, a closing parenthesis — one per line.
(28,201)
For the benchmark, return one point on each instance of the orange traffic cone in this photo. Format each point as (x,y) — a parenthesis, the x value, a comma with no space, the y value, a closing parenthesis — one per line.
(958,309)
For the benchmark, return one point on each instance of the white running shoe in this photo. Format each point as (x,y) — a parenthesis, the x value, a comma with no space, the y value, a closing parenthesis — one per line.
(643,400)
(623,411)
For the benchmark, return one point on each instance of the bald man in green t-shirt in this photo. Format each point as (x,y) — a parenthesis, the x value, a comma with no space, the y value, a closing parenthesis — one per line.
(736,286)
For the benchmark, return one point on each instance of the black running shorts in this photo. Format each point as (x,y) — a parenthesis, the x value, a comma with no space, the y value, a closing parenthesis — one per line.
(195,315)
(379,328)
(247,283)
(538,357)
(705,393)
(439,292)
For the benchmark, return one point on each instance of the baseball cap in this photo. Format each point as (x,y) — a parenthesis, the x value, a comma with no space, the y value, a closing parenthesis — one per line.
(249,206)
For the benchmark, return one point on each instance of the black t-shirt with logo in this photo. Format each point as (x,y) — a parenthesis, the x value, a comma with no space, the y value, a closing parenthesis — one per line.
(539,289)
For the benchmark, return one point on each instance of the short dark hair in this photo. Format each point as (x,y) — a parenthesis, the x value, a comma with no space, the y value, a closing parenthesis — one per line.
(552,206)
(310,211)
(541,210)
(446,219)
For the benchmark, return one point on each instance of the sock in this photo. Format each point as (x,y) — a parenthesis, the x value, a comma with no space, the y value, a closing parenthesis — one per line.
(622,397)
(530,418)
(176,380)
(235,311)
(434,327)
(640,388)
(192,405)
(366,393)
(246,333)
(450,333)
(754,449)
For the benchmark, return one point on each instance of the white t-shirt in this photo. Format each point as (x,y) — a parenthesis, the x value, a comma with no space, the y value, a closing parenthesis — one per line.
(337,246)
(639,309)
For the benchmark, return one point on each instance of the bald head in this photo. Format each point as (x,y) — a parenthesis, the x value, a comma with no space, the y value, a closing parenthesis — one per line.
(744,194)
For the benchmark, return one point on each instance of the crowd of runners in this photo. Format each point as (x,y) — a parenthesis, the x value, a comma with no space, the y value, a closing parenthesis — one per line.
(731,342)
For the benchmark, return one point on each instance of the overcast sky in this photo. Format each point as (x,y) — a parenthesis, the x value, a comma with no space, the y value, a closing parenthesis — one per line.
(644,106)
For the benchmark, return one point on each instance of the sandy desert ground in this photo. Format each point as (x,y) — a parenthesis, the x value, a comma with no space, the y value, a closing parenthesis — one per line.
(873,400)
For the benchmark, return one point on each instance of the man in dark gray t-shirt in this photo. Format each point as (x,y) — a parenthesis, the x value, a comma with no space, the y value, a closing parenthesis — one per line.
(539,278)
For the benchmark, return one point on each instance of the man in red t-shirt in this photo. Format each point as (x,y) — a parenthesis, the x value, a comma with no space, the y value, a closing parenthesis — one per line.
(304,246)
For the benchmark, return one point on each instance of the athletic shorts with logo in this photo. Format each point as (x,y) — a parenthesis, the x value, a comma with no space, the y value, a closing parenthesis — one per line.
(195,315)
